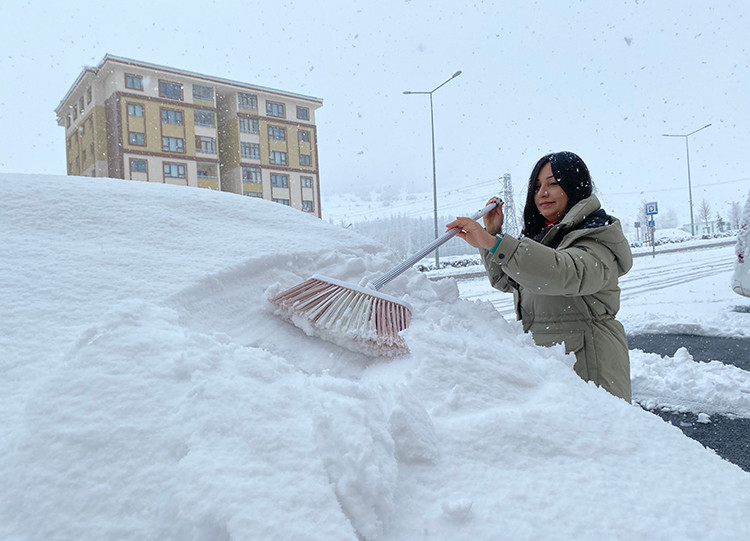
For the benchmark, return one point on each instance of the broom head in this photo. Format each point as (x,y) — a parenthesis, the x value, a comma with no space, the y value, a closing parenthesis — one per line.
(357,318)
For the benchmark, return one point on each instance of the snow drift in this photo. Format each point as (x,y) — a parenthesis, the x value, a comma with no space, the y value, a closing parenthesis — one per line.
(148,391)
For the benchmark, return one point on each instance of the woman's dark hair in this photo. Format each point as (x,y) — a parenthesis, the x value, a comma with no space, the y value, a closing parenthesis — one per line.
(572,175)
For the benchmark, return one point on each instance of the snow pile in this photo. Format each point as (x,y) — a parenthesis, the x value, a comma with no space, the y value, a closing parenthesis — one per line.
(680,384)
(149,391)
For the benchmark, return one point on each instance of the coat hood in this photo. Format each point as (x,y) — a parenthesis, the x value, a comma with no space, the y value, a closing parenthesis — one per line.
(587,218)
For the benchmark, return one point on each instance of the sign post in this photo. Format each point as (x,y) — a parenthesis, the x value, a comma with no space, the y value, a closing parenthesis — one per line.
(652,209)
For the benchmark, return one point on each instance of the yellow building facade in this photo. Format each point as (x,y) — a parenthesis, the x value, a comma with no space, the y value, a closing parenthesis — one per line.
(139,121)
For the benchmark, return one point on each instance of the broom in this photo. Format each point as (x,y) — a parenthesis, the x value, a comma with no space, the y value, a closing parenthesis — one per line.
(355,317)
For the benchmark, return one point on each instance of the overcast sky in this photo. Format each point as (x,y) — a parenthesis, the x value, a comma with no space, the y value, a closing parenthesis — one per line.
(603,79)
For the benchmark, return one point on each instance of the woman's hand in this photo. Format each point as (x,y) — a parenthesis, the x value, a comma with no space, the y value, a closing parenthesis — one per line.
(473,233)
(493,220)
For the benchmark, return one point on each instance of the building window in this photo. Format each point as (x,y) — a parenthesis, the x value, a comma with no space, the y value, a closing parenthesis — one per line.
(275,132)
(83,156)
(70,143)
(75,112)
(82,128)
(133,81)
(250,150)
(91,149)
(88,95)
(174,170)
(205,144)
(80,104)
(278,158)
(303,113)
(204,93)
(205,118)
(135,110)
(67,122)
(137,138)
(170,90)
(304,135)
(251,174)
(247,101)
(307,206)
(275,109)
(172,144)
(137,166)
(170,116)
(253,194)
(280,181)
(306,182)
(248,125)
(282,201)
(304,159)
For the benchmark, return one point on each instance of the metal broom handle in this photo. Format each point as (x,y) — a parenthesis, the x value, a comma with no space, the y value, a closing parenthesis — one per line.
(448,235)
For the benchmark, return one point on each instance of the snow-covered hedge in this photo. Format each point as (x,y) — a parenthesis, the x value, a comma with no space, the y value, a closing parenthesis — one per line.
(676,236)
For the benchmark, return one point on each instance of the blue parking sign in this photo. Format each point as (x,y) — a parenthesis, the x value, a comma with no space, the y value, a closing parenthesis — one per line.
(652,208)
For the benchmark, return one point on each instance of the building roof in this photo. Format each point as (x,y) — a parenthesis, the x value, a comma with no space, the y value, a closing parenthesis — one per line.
(148,65)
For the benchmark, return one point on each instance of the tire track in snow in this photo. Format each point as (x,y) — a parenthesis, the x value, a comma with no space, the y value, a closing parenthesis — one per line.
(656,279)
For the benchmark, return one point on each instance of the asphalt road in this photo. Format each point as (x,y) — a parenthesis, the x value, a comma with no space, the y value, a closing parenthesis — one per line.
(734,351)
(729,438)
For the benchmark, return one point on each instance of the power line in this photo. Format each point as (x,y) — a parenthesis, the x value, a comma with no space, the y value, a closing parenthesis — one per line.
(650,190)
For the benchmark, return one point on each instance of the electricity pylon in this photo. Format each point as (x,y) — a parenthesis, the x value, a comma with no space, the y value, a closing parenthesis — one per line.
(510,225)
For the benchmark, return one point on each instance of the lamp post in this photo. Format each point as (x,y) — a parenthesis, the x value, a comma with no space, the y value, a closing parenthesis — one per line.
(434,173)
(690,187)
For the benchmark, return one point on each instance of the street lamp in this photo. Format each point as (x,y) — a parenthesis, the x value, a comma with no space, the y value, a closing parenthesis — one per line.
(434,173)
(690,188)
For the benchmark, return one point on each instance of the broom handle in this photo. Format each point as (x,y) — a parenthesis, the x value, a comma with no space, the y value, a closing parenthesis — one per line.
(434,245)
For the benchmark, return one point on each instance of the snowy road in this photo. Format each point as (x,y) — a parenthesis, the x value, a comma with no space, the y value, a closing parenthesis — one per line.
(672,269)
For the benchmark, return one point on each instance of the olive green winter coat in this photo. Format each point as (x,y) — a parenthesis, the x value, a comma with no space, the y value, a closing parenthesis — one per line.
(569,294)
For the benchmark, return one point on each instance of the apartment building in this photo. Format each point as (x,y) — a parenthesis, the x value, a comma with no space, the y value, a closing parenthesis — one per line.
(140,121)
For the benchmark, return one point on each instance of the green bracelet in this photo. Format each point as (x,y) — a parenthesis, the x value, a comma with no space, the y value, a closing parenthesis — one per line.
(499,240)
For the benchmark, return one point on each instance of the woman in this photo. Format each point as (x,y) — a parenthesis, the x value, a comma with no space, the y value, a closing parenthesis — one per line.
(563,270)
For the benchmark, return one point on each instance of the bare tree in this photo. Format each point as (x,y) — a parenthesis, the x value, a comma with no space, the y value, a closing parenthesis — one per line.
(642,219)
(704,212)
(735,214)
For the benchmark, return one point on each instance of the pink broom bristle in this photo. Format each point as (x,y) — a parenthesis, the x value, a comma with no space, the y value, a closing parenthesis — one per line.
(358,318)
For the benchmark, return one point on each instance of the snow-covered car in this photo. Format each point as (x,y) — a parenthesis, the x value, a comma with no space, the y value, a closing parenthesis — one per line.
(741,276)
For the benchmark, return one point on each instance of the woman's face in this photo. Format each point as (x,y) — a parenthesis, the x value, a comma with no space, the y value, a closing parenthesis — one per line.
(549,197)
